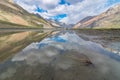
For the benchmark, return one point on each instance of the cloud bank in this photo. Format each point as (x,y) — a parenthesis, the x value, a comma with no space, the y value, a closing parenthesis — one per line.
(71,10)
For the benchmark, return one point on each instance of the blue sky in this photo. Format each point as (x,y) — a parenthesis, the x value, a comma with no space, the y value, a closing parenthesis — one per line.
(67,11)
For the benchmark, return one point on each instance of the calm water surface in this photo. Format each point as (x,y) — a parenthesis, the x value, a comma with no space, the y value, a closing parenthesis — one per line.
(56,55)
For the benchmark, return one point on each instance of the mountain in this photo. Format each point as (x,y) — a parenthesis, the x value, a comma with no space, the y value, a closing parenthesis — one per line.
(82,21)
(66,25)
(14,16)
(108,19)
(54,23)
(59,24)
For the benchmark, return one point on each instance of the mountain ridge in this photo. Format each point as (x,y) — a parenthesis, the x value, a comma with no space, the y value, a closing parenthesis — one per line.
(13,13)
(107,19)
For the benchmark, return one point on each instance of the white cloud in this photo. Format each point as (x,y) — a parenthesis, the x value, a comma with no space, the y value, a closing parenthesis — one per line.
(44,4)
(49,4)
(76,11)
(45,15)
(29,8)
(73,1)
(60,9)
(83,9)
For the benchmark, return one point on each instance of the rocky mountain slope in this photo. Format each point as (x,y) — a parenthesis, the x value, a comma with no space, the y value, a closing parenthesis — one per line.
(12,15)
(82,21)
(108,19)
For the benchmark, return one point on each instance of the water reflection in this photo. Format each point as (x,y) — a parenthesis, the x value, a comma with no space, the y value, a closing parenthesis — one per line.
(15,41)
(63,56)
(114,47)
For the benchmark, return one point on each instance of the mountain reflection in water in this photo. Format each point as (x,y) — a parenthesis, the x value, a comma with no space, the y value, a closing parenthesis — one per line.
(63,56)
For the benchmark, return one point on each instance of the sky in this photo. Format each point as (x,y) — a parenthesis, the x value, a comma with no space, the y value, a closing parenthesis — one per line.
(67,11)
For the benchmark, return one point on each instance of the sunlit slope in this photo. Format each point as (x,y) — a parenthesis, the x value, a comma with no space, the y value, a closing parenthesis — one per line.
(14,14)
(108,19)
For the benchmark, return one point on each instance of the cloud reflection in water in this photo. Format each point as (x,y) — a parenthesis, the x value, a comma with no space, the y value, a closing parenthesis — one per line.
(68,50)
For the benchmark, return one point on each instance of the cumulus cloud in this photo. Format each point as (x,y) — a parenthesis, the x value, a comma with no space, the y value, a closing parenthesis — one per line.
(73,1)
(44,4)
(49,4)
(83,9)
(75,10)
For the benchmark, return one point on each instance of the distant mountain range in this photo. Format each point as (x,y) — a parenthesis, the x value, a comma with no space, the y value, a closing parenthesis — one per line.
(14,16)
(108,19)
(59,24)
